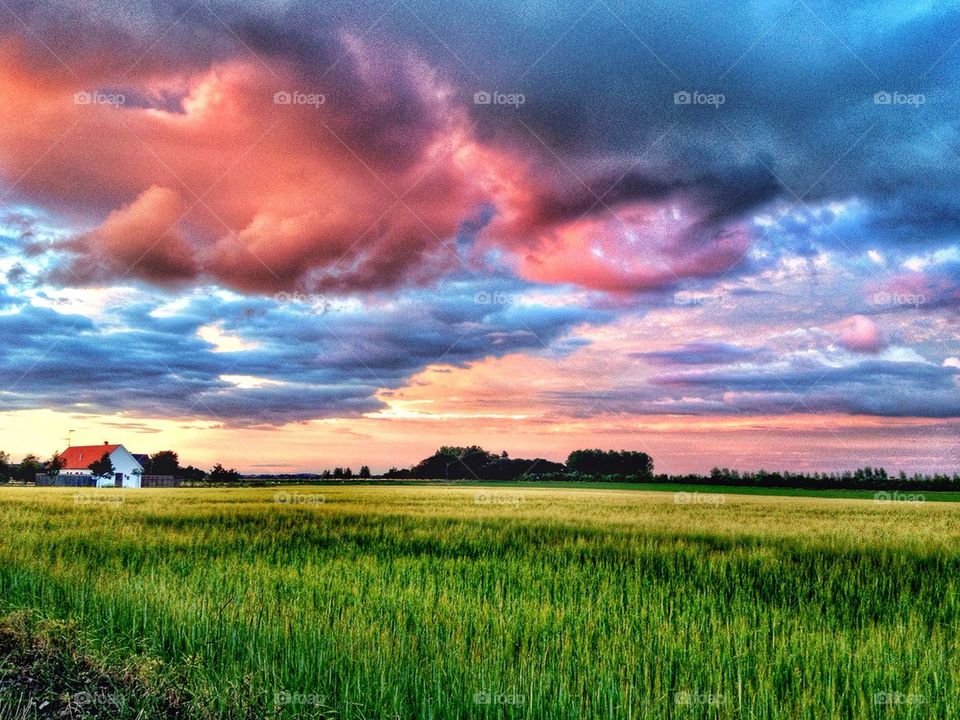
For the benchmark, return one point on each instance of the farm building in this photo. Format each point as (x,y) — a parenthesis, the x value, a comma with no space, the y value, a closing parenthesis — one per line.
(77,459)
(128,469)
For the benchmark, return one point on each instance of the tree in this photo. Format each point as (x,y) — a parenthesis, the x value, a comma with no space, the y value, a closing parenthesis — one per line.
(364,471)
(165,462)
(5,470)
(102,468)
(192,473)
(611,462)
(54,465)
(453,463)
(473,462)
(29,467)
(219,474)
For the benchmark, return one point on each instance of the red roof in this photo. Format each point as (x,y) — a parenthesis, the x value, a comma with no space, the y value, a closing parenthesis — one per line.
(79,457)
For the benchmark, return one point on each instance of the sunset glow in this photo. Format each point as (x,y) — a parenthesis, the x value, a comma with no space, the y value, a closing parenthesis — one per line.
(288,238)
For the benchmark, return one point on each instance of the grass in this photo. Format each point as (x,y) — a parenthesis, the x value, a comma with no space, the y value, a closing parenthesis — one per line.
(488,602)
(45,674)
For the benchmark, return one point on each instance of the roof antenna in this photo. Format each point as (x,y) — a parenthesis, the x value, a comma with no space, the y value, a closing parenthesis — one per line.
(69,438)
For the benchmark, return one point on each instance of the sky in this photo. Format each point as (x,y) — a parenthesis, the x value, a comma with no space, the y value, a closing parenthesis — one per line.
(287,235)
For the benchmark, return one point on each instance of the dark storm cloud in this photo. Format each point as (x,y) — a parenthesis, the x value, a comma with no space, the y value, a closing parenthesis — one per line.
(702,353)
(871,387)
(306,364)
(875,387)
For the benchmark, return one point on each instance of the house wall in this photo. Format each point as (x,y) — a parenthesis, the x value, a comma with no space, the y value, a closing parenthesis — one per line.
(125,463)
(71,479)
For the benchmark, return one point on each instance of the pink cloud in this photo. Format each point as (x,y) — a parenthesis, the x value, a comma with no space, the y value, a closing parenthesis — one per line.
(269,195)
(860,334)
(640,246)
(140,237)
(366,189)
(931,288)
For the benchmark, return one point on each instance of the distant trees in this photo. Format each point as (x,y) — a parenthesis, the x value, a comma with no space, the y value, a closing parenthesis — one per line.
(623,463)
(6,471)
(28,468)
(364,472)
(167,462)
(54,465)
(102,468)
(219,474)
(866,478)
(192,473)
(164,462)
(472,462)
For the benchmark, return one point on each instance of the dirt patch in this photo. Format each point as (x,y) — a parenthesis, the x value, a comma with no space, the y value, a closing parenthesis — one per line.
(45,673)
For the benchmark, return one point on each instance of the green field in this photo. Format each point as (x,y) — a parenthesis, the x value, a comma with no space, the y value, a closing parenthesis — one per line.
(460,602)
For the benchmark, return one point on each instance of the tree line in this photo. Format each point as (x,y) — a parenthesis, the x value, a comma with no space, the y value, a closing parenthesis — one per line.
(473,462)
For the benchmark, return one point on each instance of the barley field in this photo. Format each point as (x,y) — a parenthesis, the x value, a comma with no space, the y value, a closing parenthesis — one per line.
(472,602)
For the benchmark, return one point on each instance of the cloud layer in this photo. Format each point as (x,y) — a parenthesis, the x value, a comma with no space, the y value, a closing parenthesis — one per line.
(272,214)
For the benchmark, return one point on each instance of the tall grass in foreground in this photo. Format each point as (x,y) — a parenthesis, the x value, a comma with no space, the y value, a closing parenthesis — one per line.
(451,603)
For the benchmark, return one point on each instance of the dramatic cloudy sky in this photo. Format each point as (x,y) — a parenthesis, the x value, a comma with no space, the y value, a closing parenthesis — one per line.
(291,235)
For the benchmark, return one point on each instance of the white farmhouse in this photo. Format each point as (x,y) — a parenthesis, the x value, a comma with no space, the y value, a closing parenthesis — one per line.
(127,469)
